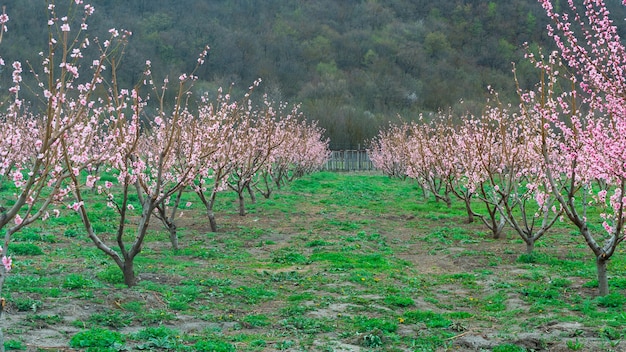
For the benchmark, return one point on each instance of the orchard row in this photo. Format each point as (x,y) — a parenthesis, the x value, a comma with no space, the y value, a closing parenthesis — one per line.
(155,143)
(561,153)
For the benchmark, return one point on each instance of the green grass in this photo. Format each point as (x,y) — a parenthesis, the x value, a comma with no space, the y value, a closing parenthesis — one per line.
(358,259)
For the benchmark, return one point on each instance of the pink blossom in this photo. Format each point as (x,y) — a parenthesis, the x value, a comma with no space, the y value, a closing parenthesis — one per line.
(65,27)
(91,181)
(607,227)
(76,205)
(7,262)
(18,219)
(108,184)
(188,204)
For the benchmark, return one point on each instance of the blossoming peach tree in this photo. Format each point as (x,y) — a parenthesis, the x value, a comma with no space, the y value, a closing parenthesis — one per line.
(589,119)
(153,160)
(34,144)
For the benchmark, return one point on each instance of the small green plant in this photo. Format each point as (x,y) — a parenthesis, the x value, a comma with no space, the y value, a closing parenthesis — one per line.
(288,256)
(156,316)
(318,243)
(365,324)
(133,306)
(98,339)
(111,318)
(155,332)
(306,325)
(25,249)
(399,301)
(71,233)
(284,345)
(508,348)
(14,345)
(26,304)
(27,234)
(166,343)
(611,333)
(613,300)
(213,346)
(111,275)
(77,282)
(574,345)
(252,295)
(256,320)
(372,340)
(258,343)
(430,319)
(44,320)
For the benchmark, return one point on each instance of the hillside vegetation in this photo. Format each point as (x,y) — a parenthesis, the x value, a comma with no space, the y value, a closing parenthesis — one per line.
(354,64)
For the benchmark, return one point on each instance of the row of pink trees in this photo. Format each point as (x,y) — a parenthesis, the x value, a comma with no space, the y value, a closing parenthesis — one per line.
(560,152)
(154,148)
(254,144)
(493,159)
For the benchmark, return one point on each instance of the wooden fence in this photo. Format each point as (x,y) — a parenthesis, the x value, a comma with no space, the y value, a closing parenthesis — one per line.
(349,160)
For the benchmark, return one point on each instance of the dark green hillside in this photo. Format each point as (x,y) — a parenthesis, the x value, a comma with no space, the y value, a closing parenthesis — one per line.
(354,64)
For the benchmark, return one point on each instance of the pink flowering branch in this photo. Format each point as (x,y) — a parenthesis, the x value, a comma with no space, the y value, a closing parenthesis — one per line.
(590,144)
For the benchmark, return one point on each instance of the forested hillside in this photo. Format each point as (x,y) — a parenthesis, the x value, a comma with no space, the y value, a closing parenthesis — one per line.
(354,64)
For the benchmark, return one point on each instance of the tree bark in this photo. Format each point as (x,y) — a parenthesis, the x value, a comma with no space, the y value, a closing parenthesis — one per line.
(173,235)
(470,213)
(129,273)
(603,279)
(530,245)
(497,227)
(242,204)
(209,210)
(253,195)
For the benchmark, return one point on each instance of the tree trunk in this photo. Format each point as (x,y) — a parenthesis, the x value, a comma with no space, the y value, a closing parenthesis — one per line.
(129,273)
(252,195)
(242,204)
(530,245)
(173,235)
(209,211)
(497,227)
(212,221)
(470,213)
(448,200)
(603,280)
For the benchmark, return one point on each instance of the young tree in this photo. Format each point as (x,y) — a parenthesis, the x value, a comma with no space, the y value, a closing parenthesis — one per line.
(33,144)
(153,160)
(518,185)
(424,162)
(593,143)
(388,151)
(303,151)
(478,141)
(465,166)
(220,121)
(260,132)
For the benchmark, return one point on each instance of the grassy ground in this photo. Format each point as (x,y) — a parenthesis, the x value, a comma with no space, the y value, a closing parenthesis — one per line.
(333,262)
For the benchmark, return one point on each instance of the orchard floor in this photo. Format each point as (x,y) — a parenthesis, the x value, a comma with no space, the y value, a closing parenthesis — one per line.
(333,262)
